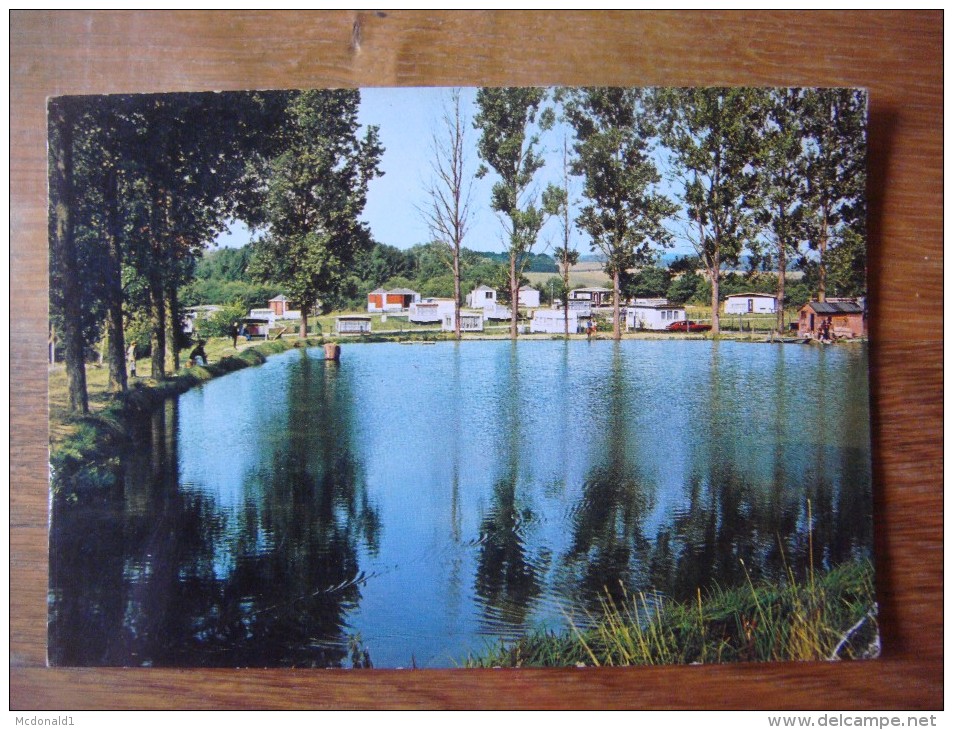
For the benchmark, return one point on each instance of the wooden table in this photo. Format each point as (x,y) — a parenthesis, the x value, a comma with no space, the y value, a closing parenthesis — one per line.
(897,55)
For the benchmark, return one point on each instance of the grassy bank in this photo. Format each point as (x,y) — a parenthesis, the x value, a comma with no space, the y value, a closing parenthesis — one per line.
(828,615)
(83,447)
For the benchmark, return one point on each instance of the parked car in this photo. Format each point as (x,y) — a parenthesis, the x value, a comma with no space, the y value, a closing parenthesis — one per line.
(686,325)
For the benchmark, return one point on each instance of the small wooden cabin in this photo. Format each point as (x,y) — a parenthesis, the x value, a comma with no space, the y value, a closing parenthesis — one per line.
(279,305)
(841,317)
(352,324)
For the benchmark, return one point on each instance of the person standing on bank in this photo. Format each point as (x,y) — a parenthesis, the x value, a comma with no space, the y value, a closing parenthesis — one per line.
(234,332)
(131,359)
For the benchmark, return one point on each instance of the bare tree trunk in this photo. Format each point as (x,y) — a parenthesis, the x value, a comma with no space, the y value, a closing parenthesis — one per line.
(456,290)
(822,269)
(61,190)
(715,281)
(172,328)
(782,268)
(616,325)
(157,315)
(156,288)
(514,296)
(116,354)
(566,301)
(303,328)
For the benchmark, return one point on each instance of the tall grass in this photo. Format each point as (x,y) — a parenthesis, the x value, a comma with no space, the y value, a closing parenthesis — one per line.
(827,615)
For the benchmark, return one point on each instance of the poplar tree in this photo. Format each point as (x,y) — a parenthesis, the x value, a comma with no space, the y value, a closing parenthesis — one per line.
(508,145)
(712,136)
(316,189)
(625,213)
(566,255)
(836,125)
(64,261)
(782,185)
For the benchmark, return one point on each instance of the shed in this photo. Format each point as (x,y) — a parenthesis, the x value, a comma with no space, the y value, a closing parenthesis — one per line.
(839,317)
(596,296)
(483,297)
(352,324)
(431,310)
(653,314)
(751,303)
(528,296)
(553,321)
(471,320)
(279,305)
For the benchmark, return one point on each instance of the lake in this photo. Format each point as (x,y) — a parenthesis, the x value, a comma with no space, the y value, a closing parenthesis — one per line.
(415,504)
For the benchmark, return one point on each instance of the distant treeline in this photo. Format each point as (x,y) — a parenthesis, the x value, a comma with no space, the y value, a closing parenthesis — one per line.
(222,277)
(226,276)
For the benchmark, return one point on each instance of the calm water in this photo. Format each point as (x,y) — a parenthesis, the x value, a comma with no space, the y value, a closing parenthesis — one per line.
(429,500)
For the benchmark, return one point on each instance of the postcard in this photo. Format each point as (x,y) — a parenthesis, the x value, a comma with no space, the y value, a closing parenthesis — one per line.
(447,378)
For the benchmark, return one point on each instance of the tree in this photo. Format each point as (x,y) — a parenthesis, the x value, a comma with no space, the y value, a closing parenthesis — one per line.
(711,134)
(448,212)
(316,191)
(566,255)
(150,180)
(782,183)
(625,212)
(64,260)
(505,119)
(183,165)
(836,122)
(648,282)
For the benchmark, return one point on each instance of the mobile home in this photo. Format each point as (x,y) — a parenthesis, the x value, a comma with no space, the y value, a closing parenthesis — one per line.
(471,320)
(751,303)
(553,321)
(652,314)
(431,310)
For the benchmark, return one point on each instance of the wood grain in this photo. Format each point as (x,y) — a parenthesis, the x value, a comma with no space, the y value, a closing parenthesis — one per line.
(896,55)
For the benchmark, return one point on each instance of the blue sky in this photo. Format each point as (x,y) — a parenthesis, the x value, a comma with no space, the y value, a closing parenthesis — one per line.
(408,118)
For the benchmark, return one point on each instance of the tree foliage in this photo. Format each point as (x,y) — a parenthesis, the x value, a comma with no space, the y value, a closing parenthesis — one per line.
(625,211)
(782,183)
(316,191)
(506,119)
(836,126)
(712,138)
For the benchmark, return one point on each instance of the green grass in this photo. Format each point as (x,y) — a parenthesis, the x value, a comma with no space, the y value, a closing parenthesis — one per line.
(827,615)
(578,278)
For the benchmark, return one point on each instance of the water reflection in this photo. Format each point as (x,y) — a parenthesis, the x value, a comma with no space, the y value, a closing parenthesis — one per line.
(430,498)
(507,581)
(608,540)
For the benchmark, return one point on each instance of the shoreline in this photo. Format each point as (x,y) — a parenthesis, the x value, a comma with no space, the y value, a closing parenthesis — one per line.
(83,444)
